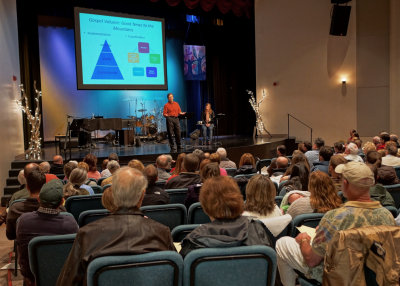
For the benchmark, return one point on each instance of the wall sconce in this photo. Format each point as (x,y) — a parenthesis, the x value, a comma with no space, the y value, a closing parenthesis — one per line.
(344,81)
(344,87)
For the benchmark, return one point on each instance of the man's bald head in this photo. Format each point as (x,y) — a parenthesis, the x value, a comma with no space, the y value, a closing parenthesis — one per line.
(29,168)
(57,159)
(44,167)
(282,162)
(162,162)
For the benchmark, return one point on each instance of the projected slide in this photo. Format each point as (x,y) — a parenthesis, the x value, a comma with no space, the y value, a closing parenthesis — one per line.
(115,52)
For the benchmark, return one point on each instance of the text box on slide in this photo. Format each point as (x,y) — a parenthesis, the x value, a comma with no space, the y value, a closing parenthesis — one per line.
(138,71)
(144,47)
(151,72)
(133,58)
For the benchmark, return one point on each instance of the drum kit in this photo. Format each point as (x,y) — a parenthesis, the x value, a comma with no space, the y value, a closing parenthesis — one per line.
(146,124)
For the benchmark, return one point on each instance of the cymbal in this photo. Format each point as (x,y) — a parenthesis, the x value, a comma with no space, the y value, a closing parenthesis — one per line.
(142,110)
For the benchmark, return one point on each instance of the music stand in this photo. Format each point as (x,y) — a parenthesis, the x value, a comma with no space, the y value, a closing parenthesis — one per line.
(217,117)
(185,117)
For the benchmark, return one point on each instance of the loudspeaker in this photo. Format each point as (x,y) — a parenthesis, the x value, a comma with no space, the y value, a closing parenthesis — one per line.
(195,134)
(340,20)
(138,143)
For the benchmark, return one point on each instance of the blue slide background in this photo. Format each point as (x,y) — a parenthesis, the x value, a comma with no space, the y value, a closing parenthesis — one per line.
(112,53)
(59,86)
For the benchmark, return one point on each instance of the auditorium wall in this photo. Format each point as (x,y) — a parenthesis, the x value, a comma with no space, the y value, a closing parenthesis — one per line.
(301,68)
(11,137)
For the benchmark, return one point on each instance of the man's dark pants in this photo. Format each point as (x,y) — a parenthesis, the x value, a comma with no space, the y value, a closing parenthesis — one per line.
(173,127)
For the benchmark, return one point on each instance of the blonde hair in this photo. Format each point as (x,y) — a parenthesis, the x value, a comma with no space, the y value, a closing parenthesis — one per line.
(368,146)
(136,164)
(260,195)
(77,178)
(128,187)
(324,195)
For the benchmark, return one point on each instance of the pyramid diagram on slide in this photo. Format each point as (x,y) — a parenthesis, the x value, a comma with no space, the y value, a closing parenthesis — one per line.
(106,67)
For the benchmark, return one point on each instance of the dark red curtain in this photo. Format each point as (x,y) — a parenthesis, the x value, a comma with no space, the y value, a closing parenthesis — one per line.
(238,7)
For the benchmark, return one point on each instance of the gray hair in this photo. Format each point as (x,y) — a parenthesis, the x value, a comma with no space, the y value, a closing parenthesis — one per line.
(128,187)
(113,166)
(353,149)
(78,176)
(44,167)
(221,152)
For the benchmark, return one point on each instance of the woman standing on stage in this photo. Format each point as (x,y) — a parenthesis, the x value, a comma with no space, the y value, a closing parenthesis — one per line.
(208,122)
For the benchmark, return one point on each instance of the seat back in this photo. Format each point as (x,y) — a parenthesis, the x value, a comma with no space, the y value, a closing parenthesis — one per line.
(106,186)
(394,190)
(244,265)
(89,216)
(392,210)
(179,232)
(262,163)
(97,189)
(177,196)
(160,184)
(278,200)
(170,215)
(154,268)
(78,204)
(47,255)
(311,220)
(196,215)
(397,169)
(60,176)
(99,181)
(231,171)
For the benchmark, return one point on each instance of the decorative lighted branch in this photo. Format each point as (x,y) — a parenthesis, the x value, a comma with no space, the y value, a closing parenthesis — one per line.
(34,149)
(253,102)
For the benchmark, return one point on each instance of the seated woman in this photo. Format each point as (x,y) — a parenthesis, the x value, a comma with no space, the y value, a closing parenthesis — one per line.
(222,201)
(75,185)
(260,198)
(247,165)
(323,196)
(214,157)
(91,160)
(178,166)
(207,170)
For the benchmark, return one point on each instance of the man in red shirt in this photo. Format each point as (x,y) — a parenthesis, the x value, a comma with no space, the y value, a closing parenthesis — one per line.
(171,112)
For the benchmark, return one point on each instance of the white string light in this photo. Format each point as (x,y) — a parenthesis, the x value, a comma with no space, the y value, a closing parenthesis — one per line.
(256,108)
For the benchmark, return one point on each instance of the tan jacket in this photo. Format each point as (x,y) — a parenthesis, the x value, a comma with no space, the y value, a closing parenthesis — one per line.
(377,247)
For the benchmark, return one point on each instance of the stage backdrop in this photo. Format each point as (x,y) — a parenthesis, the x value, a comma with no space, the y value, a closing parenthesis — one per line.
(61,97)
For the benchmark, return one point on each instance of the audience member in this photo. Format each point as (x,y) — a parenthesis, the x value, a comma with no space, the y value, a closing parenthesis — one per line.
(394,138)
(378,191)
(222,201)
(313,155)
(351,153)
(154,195)
(323,196)
(68,169)
(207,171)
(277,173)
(260,198)
(298,253)
(76,184)
(105,173)
(290,197)
(44,167)
(301,171)
(247,165)
(391,158)
(21,179)
(207,155)
(215,158)
(387,176)
(163,164)
(128,229)
(34,182)
(358,142)
(91,160)
(47,220)
(298,157)
(339,147)
(136,164)
(353,135)
(188,176)
(325,154)
(373,158)
(112,166)
(376,140)
(225,162)
(304,147)
(384,137)
(199,153)
(24,193)
(369,146)
(57,167)
(178,166)
(336,160)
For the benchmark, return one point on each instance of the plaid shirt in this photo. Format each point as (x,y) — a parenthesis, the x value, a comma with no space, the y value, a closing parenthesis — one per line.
(48,211)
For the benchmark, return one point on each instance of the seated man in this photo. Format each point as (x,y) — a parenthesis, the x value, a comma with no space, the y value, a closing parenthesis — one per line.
(45,221)
(391,158)
(188,176)
(325,154)
(225,162)
(351,153)
(299,253)
(276,174)
(34,182)
(163,164)
(45,168)
(126,231)
(154,194)
(58,165)
(112,166)
(313,155)
(24,193)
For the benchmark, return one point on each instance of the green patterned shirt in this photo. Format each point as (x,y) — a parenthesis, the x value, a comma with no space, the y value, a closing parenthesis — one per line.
(352,214)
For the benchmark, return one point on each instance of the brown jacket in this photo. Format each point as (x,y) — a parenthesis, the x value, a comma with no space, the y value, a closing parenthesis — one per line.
(377,247)
(122,233)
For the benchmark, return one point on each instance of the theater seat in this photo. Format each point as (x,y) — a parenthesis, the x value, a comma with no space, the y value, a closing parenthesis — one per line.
(196,215)
(77,204)
(234,266)
(170,215)
(155,268)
